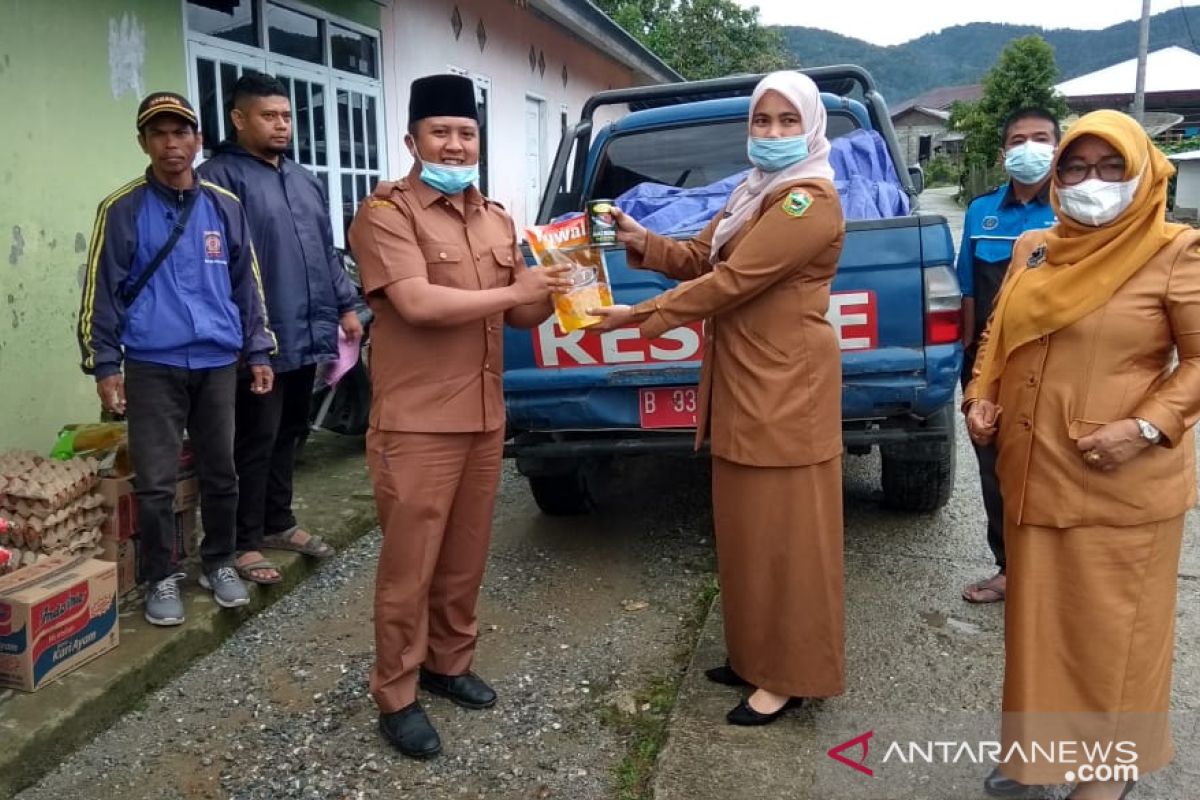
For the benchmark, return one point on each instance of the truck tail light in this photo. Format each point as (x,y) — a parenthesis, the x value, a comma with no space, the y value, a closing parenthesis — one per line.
(943,306)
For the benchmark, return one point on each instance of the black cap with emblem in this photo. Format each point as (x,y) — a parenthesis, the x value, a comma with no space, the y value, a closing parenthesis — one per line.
(160,103)
(442,96)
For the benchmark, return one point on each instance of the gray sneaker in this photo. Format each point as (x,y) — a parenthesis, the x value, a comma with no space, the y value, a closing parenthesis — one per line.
(227,588)
(164,606)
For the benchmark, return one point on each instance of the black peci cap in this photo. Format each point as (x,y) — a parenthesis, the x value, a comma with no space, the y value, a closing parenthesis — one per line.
(442,96)
(159,103)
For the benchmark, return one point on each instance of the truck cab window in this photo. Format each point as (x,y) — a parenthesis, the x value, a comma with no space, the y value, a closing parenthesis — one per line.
(684,157)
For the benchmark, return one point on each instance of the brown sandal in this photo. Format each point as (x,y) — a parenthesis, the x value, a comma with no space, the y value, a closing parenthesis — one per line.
(246,571)
(314,546)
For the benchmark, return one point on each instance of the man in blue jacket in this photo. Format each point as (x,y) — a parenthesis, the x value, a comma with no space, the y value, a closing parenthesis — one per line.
(308,295)
(172,292)
(992,225)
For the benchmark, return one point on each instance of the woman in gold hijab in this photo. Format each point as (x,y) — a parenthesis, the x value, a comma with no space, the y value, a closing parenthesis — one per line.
(1077,381)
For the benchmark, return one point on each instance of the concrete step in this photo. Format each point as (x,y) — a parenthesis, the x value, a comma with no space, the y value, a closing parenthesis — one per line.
(40,729)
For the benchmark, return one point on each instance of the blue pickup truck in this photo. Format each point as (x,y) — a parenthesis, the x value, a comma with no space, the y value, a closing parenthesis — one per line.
(578,401)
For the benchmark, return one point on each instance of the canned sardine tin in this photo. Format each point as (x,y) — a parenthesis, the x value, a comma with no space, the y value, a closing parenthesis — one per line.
(602,225)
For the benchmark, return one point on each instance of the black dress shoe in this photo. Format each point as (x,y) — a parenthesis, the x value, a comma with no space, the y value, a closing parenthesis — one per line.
(744,714)
(725,675)
(997,785)
(411,732)
(467,690)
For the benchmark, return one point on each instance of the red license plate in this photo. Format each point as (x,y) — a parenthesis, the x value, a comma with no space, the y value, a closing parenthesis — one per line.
(668,407)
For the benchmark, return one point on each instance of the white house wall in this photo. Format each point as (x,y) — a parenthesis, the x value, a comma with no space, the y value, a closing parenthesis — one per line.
(1187,189)
(418,39)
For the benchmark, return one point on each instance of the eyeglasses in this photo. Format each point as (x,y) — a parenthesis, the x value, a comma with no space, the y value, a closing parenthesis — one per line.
(1074,172)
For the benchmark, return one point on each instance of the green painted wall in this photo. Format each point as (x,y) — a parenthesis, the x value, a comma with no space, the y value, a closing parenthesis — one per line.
(67,142)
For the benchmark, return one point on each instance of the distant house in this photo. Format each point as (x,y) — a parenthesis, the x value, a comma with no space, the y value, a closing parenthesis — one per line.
(1172,88)
(923,123)
(1187,185)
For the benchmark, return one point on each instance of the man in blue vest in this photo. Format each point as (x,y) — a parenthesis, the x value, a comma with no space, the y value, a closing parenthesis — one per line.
(173,295)
(993,223)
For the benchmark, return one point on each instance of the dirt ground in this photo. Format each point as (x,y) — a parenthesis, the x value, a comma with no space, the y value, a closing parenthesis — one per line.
(581,619)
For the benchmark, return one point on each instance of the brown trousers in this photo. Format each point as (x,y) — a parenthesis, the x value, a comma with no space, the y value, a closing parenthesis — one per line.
(435,494)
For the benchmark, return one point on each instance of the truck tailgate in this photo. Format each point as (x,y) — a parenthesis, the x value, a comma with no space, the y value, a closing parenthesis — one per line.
(588,380)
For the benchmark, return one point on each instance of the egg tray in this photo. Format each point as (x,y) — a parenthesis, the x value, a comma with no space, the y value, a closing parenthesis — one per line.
(77,541)
(36,535)
(14,463)
(49,487)
(25,512)
(26,558)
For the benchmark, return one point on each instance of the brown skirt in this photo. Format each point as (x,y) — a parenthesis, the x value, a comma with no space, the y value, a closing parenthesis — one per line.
(1089,635)
(779,557)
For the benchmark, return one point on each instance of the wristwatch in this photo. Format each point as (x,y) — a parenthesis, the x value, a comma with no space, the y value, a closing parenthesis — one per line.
(1149,432)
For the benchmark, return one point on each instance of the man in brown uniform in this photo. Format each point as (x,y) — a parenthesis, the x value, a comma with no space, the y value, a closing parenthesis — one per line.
(442,271)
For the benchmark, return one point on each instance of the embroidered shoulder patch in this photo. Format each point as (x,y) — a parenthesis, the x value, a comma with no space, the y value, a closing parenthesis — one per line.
(796,203)
(376,202)
(1037,257)
(213,249)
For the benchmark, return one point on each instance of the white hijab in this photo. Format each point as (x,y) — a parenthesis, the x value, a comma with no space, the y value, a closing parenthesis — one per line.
(799,90)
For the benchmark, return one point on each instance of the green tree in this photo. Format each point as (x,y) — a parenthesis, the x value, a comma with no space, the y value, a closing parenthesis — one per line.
(701,38)
(1024,76)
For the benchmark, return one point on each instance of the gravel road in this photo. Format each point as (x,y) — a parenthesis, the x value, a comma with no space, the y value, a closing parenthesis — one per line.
(577,616)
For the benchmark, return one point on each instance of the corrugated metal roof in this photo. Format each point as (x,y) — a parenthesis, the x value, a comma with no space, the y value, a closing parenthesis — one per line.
(941,98)
(1172,69)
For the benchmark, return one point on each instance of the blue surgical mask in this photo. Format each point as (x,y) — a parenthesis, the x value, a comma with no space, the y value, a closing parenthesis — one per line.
(1029,162)
(448,178)
(772,155)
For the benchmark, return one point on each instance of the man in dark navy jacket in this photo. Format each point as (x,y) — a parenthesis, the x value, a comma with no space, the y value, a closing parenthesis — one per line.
(309,297)
(173,292)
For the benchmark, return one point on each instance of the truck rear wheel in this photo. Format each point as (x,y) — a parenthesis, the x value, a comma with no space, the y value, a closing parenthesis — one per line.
(563,495)
(920,478)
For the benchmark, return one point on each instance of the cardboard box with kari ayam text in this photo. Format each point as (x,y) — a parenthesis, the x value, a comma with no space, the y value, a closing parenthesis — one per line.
(55,616)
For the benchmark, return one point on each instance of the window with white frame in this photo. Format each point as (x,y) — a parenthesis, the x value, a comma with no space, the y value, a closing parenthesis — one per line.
(330,68)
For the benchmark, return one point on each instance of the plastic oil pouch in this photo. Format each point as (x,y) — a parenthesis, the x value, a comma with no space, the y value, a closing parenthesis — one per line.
(567,243)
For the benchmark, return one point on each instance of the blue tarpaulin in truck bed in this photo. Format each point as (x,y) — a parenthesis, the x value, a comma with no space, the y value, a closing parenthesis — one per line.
(863,174)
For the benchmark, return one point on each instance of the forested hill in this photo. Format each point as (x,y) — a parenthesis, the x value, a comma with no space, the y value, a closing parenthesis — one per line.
(964,53)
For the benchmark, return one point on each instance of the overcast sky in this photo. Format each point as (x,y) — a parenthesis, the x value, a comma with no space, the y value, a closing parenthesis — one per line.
(887,22)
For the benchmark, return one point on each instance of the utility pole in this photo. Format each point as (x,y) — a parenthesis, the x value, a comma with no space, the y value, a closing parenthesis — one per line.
(1139,92)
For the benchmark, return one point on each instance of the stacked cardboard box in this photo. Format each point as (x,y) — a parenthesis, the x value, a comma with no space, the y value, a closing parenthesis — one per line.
(50,507)
(119,541)
(55,616)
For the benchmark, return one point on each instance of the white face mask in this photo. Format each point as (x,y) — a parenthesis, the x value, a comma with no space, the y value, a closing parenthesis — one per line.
(1095,202)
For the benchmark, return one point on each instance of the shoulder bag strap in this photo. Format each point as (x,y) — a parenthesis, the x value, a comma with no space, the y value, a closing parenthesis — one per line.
(130,294)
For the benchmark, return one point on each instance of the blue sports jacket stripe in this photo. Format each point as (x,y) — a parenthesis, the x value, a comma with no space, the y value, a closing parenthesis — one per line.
(203,308)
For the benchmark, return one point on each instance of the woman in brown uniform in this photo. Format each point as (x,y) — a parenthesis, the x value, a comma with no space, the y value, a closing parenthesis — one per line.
(1096,461)
(770,393)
